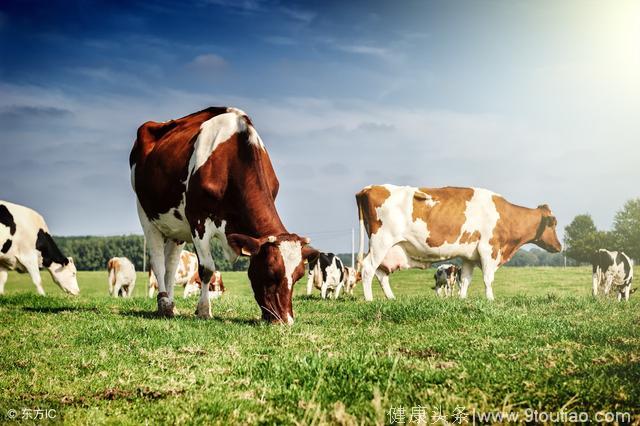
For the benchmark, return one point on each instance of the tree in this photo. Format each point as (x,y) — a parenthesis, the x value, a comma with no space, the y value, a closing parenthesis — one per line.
(626,229)
(582,238)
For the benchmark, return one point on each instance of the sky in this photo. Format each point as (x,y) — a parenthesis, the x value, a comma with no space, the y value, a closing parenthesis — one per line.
(536,100)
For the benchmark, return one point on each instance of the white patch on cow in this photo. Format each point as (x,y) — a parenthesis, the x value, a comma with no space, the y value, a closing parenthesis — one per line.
(291,252)
(213,132)
(289,319)
(172,227)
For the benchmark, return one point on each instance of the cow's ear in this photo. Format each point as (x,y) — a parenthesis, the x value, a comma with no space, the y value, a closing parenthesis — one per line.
(243,245)
(309,254)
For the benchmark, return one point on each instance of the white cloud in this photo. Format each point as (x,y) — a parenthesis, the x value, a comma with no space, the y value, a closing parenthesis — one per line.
(208,62)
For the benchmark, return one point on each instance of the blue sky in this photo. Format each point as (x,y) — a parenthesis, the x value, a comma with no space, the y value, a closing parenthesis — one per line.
(535,100)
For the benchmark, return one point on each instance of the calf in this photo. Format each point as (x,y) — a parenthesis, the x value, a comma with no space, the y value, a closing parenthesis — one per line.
(327,274)
(612,269)
(412,227)
(447,276)
(27,246)
(122,277)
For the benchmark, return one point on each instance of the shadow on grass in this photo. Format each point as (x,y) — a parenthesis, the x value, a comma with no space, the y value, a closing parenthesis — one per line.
(58,309)
(192,318)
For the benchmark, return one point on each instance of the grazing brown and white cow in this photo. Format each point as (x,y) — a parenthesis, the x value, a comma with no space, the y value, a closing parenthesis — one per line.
(447,277)
(27,246)
(412,227)
(612,270)
(208,175)
(186,273)
(216,287)
(122,277)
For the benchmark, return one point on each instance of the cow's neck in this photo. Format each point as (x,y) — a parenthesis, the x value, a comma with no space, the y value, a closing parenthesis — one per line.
(525,231)
(260,217)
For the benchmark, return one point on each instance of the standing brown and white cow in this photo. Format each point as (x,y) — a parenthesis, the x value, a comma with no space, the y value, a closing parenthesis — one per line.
(412,227)
(208,175)
(122,277)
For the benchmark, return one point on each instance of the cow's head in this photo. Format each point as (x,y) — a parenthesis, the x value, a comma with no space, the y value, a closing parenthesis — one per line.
(277,262)
(65,276)
(546,236)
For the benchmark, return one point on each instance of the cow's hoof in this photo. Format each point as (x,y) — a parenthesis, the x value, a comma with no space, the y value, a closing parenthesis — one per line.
(204,311)
(165,306)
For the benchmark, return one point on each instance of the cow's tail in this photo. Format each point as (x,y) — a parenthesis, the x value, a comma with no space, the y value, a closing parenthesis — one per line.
(363,230)
(112,275)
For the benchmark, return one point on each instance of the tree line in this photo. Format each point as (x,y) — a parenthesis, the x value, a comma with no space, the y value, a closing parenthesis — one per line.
(583,238)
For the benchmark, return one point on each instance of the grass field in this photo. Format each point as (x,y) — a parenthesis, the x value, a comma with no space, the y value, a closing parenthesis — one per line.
(543,345)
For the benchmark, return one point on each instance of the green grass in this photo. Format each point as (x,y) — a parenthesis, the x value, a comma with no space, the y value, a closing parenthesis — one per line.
(543,344)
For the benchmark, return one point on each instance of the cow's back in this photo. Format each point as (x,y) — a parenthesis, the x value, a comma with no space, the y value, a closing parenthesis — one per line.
(160,160)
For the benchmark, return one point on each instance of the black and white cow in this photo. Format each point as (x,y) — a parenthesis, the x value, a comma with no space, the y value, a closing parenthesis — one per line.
(612,269)
(447,277)
(26,246)
(326,273)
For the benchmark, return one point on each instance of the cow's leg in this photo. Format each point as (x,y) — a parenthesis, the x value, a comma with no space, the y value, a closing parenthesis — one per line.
(383,277)
(172,250)
(151,290)
(31,265)
(627,291)
(155,244)
(338,289)
(116,289)
(370,264)
(310,284)
(465,277)
(206,268)
(488,272)
(594,284)
(324,288)
(4,274)
(132,285)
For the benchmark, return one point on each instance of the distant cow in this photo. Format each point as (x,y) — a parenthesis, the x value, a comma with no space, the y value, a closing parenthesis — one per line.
(122,277)
(27,246)
(216,286)
(412,227)
(447,277)
(205,176)
(351,279)
(186,273)
(612,270)
(327,274)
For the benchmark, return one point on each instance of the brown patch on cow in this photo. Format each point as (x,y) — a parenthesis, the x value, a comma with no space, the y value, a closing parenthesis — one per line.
(468,238)
(444,219)
(368,200)
(114,264)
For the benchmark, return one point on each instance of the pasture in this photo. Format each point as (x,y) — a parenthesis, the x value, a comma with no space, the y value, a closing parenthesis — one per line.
(544,344)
